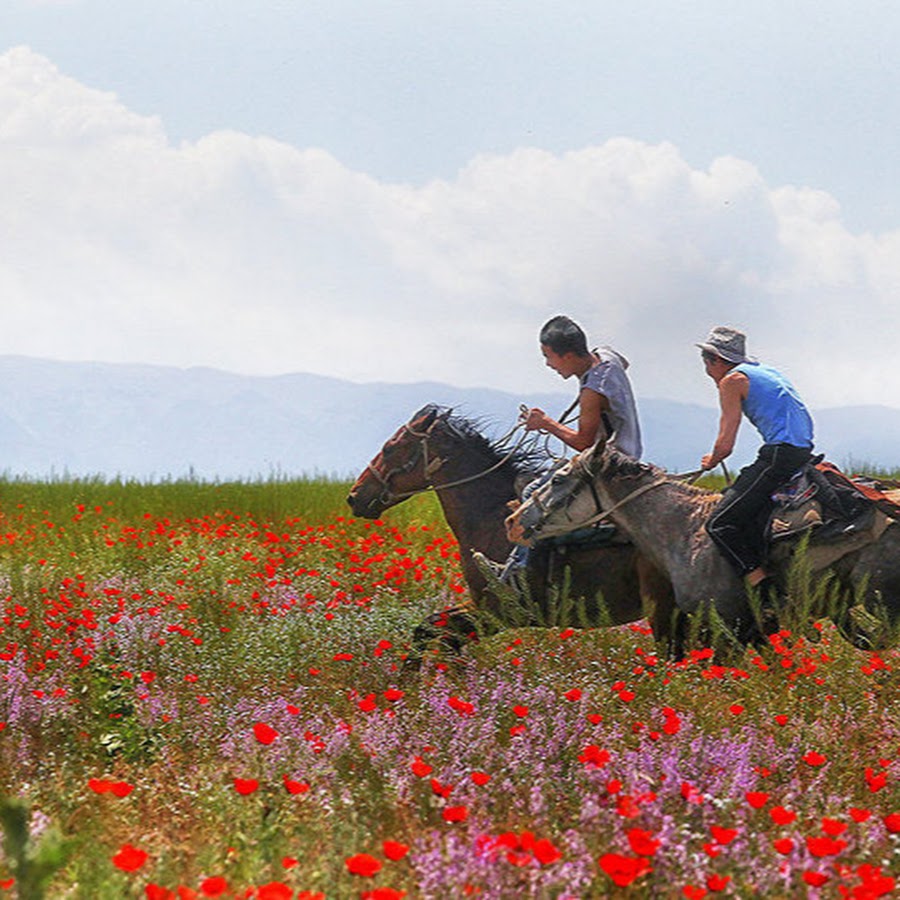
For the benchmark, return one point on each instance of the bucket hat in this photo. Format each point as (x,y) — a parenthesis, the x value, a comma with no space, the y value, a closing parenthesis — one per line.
(727,343)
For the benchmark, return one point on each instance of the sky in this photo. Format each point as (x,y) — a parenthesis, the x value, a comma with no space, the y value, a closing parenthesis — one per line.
(406,190)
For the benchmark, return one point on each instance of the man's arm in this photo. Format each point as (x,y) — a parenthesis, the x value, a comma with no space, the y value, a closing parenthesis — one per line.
(732,391)
(590,410)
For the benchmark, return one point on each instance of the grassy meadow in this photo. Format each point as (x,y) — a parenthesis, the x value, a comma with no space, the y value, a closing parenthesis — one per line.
(203,694)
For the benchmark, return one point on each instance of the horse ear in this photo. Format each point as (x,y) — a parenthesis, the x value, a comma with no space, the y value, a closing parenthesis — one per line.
(425,417)
(596,451)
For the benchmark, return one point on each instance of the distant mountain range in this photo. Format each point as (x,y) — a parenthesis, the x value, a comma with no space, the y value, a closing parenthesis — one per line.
(153,422)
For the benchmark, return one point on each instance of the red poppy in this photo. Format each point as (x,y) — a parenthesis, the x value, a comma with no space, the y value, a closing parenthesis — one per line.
(420,768)
(440,790)
(455,814)
(294,787)
(672,725)
(815,879)
(573,696)
(693,892)
(155,892)
(717,882)
(594,757)
(723,835)
(859,815)
(392,695)
(783,845)
(384,893)
(875,780)
(782,816)
(623,870)
(757,799)
(363,864)
(735,709)
(129,859)
(480,778)
(642,842)
(245,786)
(833,827)
(814,758)
(368,703)
(105,786)
(265,734)
(463,707)
(545,852)
(520,711)
(214,886)
(274,890)
(825,846)
(394,850)
(892,822)
(874,883)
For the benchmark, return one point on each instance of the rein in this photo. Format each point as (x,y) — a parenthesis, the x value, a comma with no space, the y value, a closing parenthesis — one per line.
(602,514)
(606,513)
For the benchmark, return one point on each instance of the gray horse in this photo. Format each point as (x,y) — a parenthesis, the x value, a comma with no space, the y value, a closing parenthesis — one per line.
(665,519)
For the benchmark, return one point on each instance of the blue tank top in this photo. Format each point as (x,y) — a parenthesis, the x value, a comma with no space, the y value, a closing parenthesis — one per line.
(774,407)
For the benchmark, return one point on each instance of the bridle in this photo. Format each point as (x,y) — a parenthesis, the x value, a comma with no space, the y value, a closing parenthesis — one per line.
(431,464)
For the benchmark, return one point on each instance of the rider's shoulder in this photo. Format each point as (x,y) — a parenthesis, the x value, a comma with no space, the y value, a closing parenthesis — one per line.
(735,380)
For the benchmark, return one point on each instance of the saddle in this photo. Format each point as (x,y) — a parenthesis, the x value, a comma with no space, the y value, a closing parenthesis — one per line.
(833,506)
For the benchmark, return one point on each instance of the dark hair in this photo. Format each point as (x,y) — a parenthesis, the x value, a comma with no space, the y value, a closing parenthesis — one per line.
(709,357)
(562,335)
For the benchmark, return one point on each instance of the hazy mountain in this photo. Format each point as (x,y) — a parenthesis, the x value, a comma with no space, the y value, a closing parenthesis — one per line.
(152,422)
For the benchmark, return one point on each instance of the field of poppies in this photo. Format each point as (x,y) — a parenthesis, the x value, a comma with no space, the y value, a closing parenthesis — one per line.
(203,694)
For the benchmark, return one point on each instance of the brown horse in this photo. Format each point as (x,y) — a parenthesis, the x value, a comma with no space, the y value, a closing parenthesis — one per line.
(475,479)
(666,520)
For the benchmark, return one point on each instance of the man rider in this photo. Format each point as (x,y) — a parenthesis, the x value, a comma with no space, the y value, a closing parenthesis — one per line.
(605,394)
(770,402)
(605,399)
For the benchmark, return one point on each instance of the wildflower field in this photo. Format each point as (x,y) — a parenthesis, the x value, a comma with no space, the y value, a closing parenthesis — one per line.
(203,694)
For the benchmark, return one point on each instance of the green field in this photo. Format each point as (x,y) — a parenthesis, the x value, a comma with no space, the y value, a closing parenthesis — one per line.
(203,694)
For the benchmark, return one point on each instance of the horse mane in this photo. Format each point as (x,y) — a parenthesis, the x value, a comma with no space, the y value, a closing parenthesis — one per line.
(524,460)
(620,465)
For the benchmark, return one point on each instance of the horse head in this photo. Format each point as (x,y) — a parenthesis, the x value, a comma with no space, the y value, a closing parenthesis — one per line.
(403,467)
(562,503)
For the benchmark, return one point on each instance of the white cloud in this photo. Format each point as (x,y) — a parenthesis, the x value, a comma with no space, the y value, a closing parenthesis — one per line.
(253,255)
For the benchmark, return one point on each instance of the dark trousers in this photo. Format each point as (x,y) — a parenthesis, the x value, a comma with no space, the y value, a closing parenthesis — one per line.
(737,524)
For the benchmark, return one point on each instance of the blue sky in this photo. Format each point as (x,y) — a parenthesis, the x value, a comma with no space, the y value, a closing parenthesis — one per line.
(406,190)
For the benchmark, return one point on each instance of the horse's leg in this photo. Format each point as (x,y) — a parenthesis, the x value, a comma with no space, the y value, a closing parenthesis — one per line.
(667,621)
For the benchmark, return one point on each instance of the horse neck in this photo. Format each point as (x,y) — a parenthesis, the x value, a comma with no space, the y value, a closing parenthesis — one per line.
(665,521)
(476,510)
